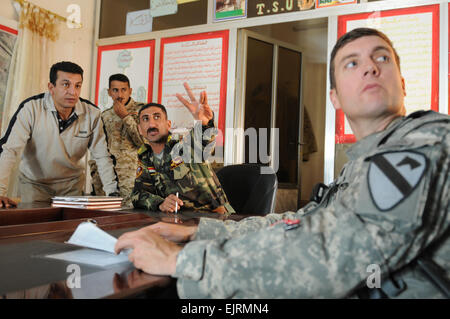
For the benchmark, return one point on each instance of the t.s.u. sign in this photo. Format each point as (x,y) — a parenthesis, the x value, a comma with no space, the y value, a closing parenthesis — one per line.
(257,8)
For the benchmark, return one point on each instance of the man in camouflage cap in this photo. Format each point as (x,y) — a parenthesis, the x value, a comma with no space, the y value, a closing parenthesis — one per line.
(123,136)
(168,167)
(380,229)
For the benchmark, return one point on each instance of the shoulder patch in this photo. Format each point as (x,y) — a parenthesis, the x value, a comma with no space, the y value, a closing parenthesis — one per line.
(393,176)
(142,149)
(139,171)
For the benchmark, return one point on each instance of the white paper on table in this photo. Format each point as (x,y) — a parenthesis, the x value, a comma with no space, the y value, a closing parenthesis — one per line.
(91,257)
(101,244)
(89,235)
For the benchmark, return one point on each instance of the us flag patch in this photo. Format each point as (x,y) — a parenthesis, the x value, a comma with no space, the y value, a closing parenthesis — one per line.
(392,177)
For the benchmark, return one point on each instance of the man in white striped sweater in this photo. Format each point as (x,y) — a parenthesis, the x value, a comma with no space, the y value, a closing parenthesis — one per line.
(52,132)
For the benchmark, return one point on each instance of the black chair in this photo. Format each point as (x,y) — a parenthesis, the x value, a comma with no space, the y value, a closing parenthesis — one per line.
(249,191)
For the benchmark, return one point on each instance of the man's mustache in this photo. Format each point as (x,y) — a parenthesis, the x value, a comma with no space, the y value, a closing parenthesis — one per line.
(152,129)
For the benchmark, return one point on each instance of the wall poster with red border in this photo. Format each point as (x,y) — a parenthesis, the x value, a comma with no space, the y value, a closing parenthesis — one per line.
(135,60)
(201,60)
(415,35)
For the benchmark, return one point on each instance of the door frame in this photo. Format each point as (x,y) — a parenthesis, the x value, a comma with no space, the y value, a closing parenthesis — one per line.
(239,112)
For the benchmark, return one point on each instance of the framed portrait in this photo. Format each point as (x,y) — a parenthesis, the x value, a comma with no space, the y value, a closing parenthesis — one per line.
(229,9)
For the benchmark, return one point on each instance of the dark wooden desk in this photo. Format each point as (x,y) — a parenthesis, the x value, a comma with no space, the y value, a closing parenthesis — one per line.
(31,231)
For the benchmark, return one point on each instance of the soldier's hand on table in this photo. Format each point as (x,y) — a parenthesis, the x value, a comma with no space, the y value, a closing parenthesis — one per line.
(150,252)
(168,205)
(173,232)
(199,109)
(6,202)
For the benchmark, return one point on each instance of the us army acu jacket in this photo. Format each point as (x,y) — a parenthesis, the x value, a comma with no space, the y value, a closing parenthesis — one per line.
(181,170)
(124,141)
(388,205)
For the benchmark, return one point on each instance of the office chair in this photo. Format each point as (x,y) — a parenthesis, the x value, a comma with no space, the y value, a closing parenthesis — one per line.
(249,191)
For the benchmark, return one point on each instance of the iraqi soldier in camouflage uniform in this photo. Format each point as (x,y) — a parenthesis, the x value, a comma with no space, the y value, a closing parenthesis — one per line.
(168,166)
(379,229)
(123,136)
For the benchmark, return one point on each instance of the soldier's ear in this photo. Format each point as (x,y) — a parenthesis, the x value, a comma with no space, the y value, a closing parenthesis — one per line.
(334,97)
(169,124)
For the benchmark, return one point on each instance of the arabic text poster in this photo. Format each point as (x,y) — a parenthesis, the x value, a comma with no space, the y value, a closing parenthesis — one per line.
(201,61)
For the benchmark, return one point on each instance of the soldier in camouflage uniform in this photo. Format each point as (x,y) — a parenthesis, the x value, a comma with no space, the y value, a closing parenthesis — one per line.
(168,166)
(386,215)
(123,137)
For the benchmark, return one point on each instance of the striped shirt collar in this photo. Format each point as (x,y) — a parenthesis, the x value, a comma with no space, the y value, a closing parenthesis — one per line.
(50,105)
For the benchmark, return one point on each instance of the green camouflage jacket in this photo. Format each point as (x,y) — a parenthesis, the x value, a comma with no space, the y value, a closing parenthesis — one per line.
(389,204)
(181,169)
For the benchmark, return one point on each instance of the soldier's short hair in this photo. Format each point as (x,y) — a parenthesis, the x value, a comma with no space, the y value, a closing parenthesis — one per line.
(119,77)
(352,36)
(64,66)
(146,106)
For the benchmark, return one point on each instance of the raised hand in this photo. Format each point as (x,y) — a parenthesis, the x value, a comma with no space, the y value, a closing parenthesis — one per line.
(199,109)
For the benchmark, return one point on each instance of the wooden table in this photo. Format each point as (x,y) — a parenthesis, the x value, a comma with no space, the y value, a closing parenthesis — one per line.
(31,231)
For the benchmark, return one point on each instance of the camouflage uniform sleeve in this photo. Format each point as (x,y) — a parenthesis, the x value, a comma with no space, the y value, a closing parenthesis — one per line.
(210,228)
(130,123)
(311,261)
(97,186)
(144,193)
(200,141)
(100,153)
(329,254)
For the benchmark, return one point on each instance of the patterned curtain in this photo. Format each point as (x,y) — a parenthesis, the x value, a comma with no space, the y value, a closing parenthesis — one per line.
(28,74)
(7,41)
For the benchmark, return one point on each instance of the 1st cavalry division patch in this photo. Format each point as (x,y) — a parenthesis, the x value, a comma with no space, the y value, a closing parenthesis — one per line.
(393,176)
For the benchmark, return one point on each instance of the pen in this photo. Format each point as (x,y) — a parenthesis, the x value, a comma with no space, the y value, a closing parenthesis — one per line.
(176,205)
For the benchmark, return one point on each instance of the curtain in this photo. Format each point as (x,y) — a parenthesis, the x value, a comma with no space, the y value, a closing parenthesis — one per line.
(30,64)
(7,41)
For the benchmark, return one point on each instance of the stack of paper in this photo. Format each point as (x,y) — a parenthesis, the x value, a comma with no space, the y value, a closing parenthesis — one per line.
(88,202)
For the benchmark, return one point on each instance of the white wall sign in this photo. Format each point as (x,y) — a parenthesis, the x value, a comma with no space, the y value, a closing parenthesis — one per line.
(201,61)
(139,22)
(412,32)
(163,7)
